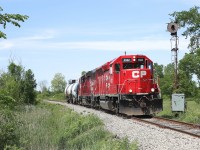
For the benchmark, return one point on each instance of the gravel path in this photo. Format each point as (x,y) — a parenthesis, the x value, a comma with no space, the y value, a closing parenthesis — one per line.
(148,137)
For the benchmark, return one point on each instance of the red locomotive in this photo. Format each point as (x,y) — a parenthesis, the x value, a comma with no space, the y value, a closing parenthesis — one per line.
(124,85)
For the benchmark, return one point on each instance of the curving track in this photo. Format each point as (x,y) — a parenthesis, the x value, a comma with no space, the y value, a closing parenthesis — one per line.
(186,128)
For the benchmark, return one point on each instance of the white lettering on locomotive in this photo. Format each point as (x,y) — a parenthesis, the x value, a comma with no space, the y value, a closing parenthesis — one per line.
(137,74)
(143,73)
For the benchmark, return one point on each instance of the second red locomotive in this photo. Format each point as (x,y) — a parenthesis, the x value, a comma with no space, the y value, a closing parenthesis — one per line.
(124,85)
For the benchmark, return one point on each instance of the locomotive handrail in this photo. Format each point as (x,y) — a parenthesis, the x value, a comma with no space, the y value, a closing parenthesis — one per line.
(124,84)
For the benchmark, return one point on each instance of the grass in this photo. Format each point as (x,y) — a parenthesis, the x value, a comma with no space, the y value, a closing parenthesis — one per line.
(51,96)
(53,127)
(191,115)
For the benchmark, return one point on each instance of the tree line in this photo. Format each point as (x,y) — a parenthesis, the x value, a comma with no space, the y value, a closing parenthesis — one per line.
(24,83)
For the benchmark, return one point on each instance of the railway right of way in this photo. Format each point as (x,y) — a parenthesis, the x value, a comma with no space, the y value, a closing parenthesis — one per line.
(147,136)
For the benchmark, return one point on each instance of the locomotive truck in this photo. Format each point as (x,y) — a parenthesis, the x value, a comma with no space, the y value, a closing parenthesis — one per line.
(123,85)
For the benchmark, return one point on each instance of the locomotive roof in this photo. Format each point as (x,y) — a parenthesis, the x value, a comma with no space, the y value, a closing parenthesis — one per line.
(127,56)
(106,66)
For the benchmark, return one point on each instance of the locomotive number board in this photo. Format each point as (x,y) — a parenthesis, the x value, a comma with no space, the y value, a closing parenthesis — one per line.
(140,59)
(126,60)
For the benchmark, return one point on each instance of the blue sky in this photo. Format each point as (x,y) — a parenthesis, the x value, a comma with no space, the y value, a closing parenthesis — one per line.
(69,37)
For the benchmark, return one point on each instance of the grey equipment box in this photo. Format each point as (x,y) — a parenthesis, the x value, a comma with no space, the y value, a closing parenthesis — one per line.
(178,102)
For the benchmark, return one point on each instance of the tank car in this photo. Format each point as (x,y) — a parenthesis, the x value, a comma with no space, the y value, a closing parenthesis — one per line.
(71,91)
(124,85)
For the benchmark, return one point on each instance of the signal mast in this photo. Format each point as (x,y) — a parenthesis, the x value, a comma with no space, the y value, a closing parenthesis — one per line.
(178,100)
(173,28)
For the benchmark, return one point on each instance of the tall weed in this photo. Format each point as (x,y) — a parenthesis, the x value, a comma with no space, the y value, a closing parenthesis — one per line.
(191,115)
(54,127)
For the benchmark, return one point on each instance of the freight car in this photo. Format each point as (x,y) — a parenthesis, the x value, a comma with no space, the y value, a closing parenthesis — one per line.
(124,85)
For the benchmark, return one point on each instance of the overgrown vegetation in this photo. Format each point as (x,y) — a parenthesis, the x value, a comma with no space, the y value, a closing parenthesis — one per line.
(18,84)
(55,91)
(191,115)
(48,126)
(24,125)
(17,87)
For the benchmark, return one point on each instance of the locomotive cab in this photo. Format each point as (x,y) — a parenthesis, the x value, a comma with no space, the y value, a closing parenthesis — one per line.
(138,92)
(136,76)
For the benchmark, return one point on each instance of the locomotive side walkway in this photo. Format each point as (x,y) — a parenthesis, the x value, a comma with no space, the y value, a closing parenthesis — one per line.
(148,136)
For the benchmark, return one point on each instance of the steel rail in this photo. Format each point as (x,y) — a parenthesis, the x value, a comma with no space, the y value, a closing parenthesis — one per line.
(176,121)
(192,126)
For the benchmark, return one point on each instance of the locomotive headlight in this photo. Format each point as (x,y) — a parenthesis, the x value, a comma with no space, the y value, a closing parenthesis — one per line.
(130,90)
(152,90)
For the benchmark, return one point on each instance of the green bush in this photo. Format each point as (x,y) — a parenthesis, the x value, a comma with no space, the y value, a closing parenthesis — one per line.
(7,102)
(8,127)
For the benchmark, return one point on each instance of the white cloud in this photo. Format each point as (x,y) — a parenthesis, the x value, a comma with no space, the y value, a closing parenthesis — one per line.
(142,45)
(42,37)
(4,44)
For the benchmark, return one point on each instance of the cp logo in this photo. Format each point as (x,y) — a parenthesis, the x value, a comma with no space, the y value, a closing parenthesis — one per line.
(137,74)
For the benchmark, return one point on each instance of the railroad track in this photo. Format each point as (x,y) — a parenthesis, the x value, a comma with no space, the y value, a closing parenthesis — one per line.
(186,128)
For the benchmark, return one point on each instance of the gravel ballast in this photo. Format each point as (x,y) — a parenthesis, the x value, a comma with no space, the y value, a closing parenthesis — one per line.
(147,136)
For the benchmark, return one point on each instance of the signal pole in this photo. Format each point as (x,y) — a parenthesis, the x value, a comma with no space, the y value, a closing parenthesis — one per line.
(175,61)
(178,99)
(172,28)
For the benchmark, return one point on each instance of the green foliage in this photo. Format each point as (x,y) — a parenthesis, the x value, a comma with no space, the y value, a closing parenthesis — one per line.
(192,114)
(185,73)
(18,84)
(29,85)
(10,86)
(58,83)
(158,70)
(7,102)
(57,96)
(10,18)
(186,85)
(166,83)
(83,72)
(8,136)
(48,126)
(190,64)
(189,20)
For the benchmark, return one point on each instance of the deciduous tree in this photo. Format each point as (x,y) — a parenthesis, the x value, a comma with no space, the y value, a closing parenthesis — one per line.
(19,84)
(43,86)
(58,83)
(10,18)
(190,22)
(29,85)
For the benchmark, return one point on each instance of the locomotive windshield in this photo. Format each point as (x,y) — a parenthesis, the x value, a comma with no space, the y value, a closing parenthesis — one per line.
(133,65)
